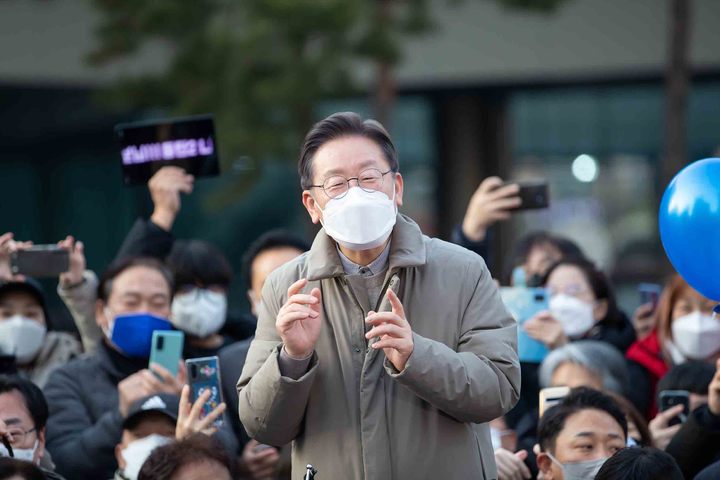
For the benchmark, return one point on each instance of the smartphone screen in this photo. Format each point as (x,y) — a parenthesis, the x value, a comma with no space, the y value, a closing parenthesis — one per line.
(146,147)
(671,398)
(204,374)
(533,195)
(40,261)
(649,293)
(523,303)
(167,348)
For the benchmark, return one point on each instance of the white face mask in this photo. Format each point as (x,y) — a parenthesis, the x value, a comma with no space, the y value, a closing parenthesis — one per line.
(138,451)
(579,470)
(22,337)
(360,220)
(24,454)
(575,315)
(199,312)
(696,336)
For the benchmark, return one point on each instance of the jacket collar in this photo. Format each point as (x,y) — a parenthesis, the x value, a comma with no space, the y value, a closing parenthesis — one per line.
(117,365)
(407,249)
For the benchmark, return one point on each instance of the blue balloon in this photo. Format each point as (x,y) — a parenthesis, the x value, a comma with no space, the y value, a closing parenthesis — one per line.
(690,225)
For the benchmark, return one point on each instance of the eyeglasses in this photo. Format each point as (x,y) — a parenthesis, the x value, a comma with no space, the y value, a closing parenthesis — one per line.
(337,186)
(572,290)
(16,436)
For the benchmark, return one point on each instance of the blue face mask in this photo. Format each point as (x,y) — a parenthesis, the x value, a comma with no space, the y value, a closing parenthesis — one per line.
(132,332)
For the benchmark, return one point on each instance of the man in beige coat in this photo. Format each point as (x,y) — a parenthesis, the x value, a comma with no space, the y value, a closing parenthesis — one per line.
(401,350)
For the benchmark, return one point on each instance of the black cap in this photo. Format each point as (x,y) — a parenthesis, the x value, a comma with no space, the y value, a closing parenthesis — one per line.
(30,286)
(165,403)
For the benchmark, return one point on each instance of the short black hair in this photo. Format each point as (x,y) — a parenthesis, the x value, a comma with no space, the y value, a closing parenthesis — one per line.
(278,238)
(32,395)
(31,287)
(640,463)
(527,243)
(198,262)
(164,461)
(693,376)
(579,399)
(14,468)
(338,125)
(124,263)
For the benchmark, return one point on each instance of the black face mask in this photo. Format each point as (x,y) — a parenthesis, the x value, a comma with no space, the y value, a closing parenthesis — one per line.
(8,365)
(534,280)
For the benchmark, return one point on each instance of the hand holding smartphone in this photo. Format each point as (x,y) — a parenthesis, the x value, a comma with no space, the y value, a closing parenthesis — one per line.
(533,195)
(40,261)
(204,374)
(671,398)
(649,294)
(167,348)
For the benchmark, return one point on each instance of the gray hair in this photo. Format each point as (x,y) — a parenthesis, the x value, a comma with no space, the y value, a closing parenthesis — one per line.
(600,358)
(343,124)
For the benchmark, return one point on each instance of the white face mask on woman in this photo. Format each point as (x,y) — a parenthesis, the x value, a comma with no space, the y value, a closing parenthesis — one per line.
(138,451)
(697,335)
(575,315)
(360,220)
(199,312)
(22,337)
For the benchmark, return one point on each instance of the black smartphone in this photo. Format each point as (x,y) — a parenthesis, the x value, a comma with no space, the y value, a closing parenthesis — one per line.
(204,374)
(8,447)
(649,293)
(671,398)
(533,195)
(40,261)
(146,147)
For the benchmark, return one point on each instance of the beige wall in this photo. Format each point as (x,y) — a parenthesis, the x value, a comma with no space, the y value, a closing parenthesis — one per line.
(476,41)
(46,41)
(480,41)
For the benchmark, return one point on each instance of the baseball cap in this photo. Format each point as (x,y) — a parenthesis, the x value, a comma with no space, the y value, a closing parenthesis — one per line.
(164,403)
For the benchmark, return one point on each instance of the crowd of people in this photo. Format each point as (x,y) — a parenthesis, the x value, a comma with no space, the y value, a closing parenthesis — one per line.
(89,405)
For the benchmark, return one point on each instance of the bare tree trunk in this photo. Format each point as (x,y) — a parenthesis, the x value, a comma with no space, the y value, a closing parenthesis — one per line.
(385,88)
(676,88)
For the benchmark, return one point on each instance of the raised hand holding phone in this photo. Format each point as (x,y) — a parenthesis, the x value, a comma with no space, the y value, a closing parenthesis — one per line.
(190,417)
(204,380)
(76,250)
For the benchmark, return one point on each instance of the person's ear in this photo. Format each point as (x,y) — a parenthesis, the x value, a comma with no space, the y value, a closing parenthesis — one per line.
(544,464)
(600,310)
(40,452)
(251,297)
(311,206)
(399,186)
(118,456)
(100,317)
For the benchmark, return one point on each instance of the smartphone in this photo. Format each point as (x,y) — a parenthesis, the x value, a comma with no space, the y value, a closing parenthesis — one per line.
(533,195)
(167,348)
(8,447)
(649,293)
(40,261)
(551,396)
(204,374)
(523,303)
(671,398)
(146,147)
